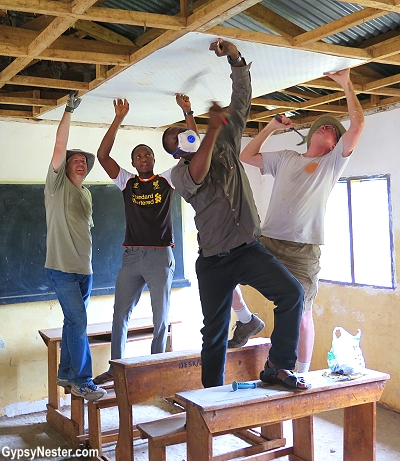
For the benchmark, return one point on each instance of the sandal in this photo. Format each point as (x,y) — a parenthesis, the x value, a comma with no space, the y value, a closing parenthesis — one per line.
(292,381)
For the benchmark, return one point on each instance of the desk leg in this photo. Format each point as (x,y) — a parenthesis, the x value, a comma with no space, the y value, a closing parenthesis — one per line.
(272,431)
(94,427)
(78,413)
(360,432)
(303,439)
(198,437)
(124,448)
(53,359)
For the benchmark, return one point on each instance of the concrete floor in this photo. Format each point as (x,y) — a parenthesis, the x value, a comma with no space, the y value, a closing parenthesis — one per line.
(32,431)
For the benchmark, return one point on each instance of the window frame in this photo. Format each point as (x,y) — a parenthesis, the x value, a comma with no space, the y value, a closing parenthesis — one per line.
(348,181)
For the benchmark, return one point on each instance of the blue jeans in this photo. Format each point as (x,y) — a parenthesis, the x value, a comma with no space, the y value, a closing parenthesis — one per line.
(255,266)
(73,292)
(140,266)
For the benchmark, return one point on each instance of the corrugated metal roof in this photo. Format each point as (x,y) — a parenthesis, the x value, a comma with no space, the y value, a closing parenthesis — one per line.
(307,14)
(310,14)
(168,7)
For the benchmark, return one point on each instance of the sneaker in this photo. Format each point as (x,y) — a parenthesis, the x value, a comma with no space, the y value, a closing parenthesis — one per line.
(243,331)
(63,382)
(103,378)
(88,391)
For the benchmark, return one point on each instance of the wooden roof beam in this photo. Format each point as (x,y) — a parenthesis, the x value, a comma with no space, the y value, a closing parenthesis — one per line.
(334,27)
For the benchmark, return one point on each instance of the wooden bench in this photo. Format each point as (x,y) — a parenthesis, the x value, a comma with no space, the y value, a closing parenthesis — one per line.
(72,428)
(172,430)
(219,409)
(143,379)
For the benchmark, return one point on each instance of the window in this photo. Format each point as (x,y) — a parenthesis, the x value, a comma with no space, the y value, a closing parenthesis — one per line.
(358,247)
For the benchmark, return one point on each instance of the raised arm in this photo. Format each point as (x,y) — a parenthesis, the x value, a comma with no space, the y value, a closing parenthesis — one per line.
(184,103)
(200,163)
(239,107)
(251,154)
(60,146)
(356,114)
(121,107)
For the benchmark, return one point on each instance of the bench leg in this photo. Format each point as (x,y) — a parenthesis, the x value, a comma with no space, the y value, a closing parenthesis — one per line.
(198,437)
(94,427)
(78,413)
(360,432)
(272,431)
(303,439)
(156,453)
(53,359)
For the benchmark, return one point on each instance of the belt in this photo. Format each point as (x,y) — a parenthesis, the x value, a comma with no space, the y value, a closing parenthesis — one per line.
(226,253)
(137,247)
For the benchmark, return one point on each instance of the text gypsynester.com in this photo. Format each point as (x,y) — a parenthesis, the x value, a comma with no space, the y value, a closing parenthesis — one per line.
(41,452)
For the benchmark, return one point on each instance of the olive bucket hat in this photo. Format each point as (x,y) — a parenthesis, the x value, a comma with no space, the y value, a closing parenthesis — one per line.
(325,120)
(90,158)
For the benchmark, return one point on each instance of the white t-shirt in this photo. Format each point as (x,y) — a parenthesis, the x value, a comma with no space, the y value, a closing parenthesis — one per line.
(301,189)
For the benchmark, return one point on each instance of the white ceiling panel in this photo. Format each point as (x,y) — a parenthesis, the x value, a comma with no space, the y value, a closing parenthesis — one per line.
(150,85)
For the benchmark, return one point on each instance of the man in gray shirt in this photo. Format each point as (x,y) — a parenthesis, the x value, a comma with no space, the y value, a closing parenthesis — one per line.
(211,178)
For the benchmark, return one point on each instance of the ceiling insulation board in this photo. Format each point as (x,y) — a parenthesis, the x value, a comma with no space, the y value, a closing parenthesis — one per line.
(150,85)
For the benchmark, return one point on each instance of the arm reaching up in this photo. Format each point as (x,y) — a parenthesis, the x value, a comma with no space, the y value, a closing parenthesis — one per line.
(183,102)
(60,147)
(121,107)
(356,114)
(251,153)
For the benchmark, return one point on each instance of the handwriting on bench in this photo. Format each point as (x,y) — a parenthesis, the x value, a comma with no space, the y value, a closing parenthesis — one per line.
(190,363)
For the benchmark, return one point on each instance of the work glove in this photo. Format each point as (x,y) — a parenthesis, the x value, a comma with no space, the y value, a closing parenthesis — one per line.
(72,101)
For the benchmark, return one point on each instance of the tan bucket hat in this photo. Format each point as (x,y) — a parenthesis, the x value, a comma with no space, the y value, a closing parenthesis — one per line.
(90,158)
(325,120)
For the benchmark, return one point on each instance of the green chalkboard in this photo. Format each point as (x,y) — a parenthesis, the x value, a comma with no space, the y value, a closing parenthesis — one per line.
(23,241)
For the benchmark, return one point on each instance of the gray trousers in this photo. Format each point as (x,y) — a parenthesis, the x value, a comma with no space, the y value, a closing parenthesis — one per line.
(140,266)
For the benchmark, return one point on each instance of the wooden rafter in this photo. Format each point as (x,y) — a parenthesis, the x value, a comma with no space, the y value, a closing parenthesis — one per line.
(74,33)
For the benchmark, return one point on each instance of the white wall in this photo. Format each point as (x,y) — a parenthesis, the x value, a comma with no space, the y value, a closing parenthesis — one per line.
(25,152)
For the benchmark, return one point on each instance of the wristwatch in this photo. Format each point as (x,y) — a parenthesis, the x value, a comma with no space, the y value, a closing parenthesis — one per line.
(236,61)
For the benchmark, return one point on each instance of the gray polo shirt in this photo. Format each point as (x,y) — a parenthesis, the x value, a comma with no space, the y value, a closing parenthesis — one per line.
(226,215)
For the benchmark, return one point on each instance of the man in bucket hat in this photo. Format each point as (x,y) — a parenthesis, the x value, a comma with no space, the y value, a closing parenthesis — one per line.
(293,229)
(69,255)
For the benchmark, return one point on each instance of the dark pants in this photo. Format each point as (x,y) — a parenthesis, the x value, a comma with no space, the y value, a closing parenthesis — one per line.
(251,265)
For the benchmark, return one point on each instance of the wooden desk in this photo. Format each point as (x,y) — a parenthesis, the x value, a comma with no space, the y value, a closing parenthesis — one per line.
(219,409)
(72,429)
(143,379)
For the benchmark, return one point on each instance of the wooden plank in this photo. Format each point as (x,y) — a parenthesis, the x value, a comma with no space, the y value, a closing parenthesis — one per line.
(303,438)
(334,27)
(360,433)
(199,439)
(78,413)
(67,428)
(72,429)
(96,329)
(216,410)
(243,409)
(53,359)
(181,370)
(142,379)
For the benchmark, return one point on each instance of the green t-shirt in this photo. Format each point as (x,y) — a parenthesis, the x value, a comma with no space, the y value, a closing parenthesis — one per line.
(68,219)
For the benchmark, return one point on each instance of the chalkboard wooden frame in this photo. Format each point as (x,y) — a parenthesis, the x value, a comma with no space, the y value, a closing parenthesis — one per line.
(23,241)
